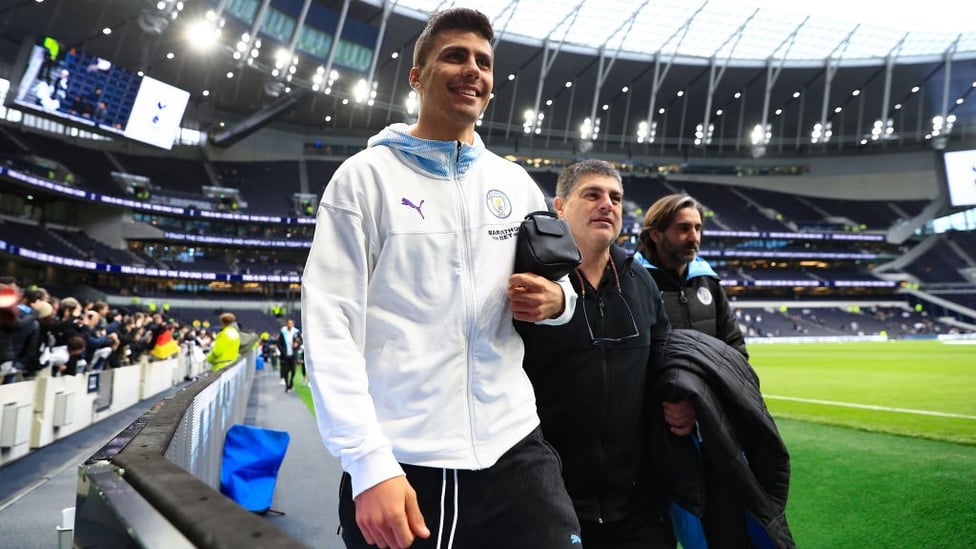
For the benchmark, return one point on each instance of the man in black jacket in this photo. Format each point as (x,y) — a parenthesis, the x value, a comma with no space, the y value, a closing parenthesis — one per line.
(591,374)
(668,247)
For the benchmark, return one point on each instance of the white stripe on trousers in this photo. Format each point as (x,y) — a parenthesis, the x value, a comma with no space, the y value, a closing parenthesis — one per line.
(454,518)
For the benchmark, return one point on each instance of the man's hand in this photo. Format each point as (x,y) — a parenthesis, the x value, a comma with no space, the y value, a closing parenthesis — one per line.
(680,417)
(534,297)
(388,514)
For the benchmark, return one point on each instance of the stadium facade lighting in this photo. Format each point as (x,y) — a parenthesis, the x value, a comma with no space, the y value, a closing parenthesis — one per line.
(156,16)
(882,130)
(646,132)
(703,137)
(942,125)
(759,136)
(360,92)
(590,129)
(202,34)
(821,133)
(411,103)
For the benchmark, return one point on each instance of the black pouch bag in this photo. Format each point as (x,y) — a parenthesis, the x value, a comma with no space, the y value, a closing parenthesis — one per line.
(545,246)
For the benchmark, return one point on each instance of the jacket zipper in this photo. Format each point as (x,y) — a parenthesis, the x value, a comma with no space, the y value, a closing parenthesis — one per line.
(605,403)
(469,300)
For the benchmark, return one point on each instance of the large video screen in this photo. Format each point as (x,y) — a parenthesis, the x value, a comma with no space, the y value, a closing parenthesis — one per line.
(85,90)
(961,177)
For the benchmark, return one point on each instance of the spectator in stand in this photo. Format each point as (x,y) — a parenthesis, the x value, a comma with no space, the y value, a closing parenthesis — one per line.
(70,309)
(54,335)
(33,295)
(113,324)
(227,345)
(76,359)
(19,335)
(96,340)
(103,311)
(668,246)
(136,337)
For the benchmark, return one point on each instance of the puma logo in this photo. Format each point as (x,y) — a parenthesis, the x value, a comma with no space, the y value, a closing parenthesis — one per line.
(406,202)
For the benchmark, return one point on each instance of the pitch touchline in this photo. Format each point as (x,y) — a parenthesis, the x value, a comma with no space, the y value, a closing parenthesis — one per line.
(870,407)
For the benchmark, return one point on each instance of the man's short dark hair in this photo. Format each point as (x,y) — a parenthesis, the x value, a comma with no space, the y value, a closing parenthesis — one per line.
(571,174)
(452,19)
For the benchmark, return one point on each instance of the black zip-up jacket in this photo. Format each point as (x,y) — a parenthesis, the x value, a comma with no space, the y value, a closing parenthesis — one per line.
(591,398)
(738,435)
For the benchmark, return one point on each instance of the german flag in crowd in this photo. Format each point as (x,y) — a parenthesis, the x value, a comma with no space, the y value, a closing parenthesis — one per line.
(165,346)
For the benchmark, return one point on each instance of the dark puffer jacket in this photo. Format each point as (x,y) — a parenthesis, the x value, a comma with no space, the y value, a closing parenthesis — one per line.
(591,397)
(738,436)
(698,301)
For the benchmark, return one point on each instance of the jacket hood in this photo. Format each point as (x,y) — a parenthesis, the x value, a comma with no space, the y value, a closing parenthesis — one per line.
(697,267)
(427,155)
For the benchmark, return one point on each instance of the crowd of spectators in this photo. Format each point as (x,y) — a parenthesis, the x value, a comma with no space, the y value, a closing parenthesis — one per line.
(41,334)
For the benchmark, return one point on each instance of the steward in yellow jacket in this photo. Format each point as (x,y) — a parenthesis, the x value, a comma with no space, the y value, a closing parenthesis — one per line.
(226,347)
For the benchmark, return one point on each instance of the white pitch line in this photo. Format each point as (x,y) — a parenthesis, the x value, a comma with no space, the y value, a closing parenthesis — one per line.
(869,407)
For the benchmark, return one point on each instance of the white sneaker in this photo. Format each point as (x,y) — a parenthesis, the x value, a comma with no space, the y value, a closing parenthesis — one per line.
(281,382)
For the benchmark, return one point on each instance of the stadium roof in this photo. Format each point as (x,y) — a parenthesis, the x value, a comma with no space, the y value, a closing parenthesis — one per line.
(665,67)
(746,32)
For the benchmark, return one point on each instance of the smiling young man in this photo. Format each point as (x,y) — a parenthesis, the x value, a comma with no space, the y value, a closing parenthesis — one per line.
(408,298)
(591,374)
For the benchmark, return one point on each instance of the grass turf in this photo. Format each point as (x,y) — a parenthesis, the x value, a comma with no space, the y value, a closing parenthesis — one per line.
(302,391)
(882,438)
(857,489)
(917,388)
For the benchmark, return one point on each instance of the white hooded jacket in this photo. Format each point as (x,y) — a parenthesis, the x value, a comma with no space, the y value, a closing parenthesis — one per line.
(409,336)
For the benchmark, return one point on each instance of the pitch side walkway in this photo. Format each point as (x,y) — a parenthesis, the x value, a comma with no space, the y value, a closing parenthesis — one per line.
(308,482)
(35,488)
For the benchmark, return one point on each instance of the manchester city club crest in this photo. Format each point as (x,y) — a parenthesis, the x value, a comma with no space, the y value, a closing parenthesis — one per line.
(499,204)
(704,296)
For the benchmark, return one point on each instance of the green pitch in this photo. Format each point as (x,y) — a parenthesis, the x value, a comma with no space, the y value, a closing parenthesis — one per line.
(917,388)
(882,438)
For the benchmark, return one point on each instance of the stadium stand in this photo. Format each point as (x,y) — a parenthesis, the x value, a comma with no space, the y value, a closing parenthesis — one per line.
(267,187)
